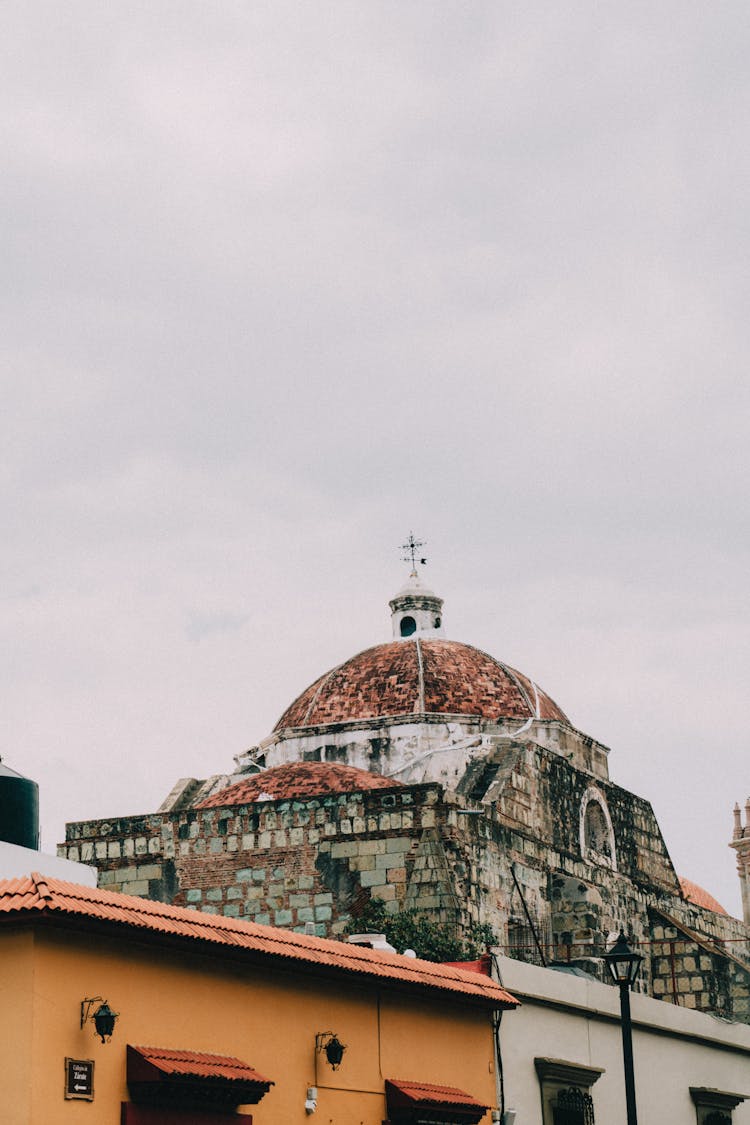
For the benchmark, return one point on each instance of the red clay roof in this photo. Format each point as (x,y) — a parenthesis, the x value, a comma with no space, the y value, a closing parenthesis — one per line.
(400,1093)
(198,1064)
(419,676)
(36,896)
(700,897)
(297,779)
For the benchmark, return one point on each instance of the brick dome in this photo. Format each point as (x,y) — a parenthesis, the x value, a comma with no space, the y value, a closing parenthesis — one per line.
(419,676)
(295,780)
(696,894)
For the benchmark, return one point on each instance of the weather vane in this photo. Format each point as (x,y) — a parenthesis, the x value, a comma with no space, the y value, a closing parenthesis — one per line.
(411,549)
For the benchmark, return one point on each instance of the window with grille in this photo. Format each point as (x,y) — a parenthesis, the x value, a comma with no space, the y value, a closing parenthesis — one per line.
(574,1107)
(565,1088)
(714,1107)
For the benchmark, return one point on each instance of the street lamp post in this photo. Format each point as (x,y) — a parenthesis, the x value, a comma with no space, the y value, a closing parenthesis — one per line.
(623,965)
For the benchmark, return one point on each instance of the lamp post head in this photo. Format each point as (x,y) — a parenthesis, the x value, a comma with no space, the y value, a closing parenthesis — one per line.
(623,962)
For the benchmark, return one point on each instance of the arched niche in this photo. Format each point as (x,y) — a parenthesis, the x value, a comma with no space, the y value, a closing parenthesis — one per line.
(597,836)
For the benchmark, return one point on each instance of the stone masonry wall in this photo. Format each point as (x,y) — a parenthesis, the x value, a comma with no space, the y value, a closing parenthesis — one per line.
(316,861)
(283,863)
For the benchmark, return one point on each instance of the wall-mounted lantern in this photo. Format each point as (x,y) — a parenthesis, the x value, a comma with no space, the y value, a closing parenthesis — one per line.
(331,1045)
(104,1018)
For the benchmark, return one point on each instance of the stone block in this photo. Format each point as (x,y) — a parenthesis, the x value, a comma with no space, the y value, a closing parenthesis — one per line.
(306,882)
(149,871)
(232,910)
(263,919)
(397,875)
(232,845)
(305,914)
(282,918)
(264,841)
(135,887)
(154,845)
(344,850)
(235,892)
(214,894)
(244,874)
(113,849)
(323,913)
(101,849)
(297,901)
(259,874)
(323,899)
(248,841)
(392,859)
(296,837)
(87,851)
(373,878)
(397,844)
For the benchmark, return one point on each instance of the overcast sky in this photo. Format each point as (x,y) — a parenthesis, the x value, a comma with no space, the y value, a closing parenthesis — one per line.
(283,281)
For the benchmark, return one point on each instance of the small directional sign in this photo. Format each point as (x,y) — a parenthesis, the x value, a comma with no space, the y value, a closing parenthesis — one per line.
(79,1079)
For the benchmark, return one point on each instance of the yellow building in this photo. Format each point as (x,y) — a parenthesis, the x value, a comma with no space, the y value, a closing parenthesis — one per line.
(217,1016)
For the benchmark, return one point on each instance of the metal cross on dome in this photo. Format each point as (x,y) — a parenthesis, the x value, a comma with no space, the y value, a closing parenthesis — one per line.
(411,550)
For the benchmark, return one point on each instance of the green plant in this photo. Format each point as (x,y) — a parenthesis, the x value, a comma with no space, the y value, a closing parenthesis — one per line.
(412,929)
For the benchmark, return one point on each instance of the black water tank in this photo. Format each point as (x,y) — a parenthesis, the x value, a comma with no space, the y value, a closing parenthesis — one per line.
(19,809)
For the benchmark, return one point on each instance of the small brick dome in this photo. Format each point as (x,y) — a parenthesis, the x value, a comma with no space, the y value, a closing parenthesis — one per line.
(297,780)
(699,897)
(419,676)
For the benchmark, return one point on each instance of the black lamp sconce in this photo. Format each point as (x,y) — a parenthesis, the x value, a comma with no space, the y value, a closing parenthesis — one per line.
(104,1018)
(331,1045)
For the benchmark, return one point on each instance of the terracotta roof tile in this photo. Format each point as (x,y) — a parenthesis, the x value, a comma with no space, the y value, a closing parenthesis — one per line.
(300,780)
(55,899)
(426,1093)
(419,676)
(198,1064)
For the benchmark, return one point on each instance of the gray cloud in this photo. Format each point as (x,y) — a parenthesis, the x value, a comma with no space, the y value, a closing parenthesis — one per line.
(282,281)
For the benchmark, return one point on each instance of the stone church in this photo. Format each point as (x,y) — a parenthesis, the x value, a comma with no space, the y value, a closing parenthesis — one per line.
(429,775)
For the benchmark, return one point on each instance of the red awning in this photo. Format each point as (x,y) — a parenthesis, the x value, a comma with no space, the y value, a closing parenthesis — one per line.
(192,1079)
(422,1103)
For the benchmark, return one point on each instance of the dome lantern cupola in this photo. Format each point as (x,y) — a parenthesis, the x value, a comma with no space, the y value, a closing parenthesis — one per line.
(416,610)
